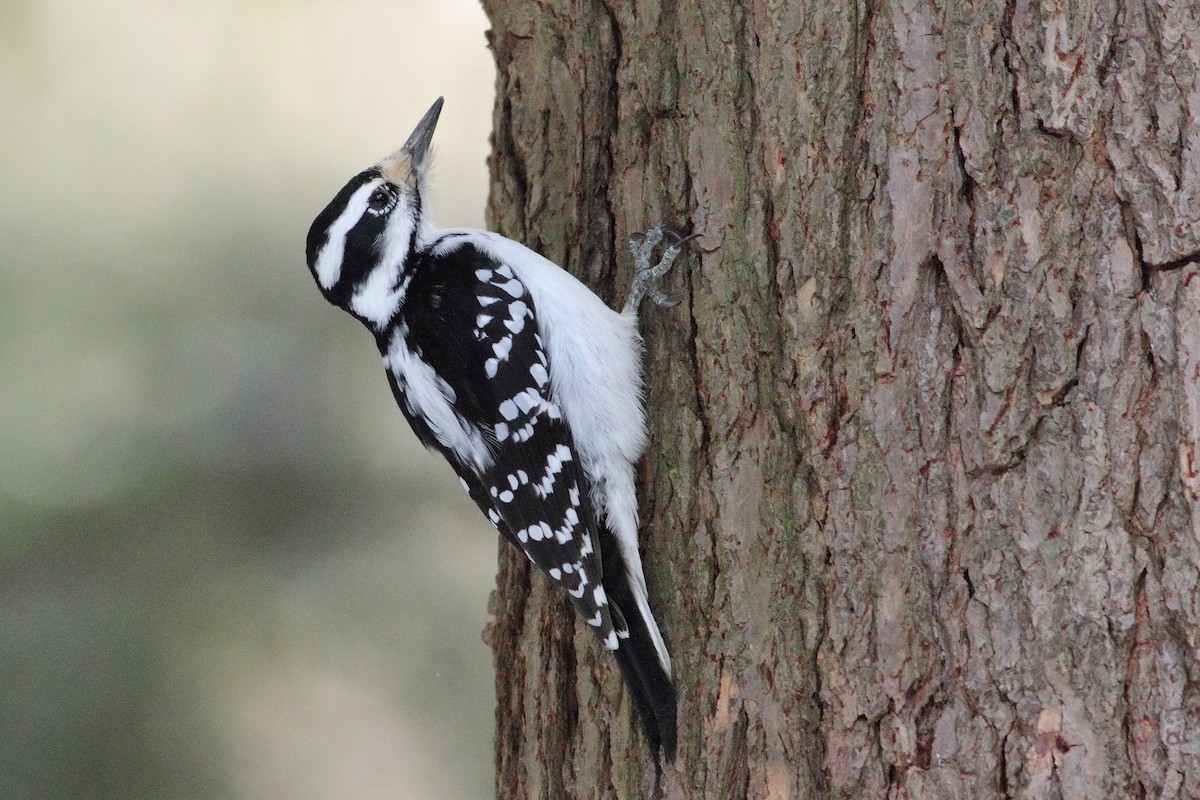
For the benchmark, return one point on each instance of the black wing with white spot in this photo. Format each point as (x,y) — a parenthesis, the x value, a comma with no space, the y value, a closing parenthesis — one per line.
(473,321)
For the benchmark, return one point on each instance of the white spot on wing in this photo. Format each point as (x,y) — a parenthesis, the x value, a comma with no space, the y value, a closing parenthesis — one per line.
(502,348)
(513,288)
(527,400)
(538,373)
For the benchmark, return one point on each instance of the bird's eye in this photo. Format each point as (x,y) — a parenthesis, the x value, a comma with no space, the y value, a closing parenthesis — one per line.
(380,201)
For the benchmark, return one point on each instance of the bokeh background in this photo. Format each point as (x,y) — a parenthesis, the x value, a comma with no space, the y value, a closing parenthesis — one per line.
(227,569)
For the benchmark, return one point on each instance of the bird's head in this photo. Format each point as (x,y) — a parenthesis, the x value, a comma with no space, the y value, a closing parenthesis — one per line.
(358,245)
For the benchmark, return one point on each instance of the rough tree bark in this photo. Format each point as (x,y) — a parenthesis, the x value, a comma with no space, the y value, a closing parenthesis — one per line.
(921,504)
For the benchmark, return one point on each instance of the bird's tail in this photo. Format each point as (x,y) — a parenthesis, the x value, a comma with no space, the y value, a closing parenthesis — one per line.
(641,654)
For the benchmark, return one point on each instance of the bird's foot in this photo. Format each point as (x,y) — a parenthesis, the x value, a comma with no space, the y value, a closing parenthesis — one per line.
(642,246)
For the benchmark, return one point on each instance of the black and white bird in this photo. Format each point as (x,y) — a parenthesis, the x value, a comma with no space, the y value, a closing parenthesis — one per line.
(525,381)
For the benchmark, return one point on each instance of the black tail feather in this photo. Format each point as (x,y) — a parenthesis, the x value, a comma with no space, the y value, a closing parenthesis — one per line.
(650,686)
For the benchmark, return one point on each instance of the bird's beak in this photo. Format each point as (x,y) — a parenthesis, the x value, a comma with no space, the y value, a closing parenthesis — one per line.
(418,141)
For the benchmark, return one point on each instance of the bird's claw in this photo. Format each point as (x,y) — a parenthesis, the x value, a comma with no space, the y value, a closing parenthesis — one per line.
(642,245)
(662,299)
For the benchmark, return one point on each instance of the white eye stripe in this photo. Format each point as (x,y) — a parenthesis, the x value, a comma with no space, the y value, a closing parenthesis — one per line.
(329,262)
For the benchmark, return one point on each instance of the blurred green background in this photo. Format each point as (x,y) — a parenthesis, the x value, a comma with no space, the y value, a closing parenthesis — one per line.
(227,569)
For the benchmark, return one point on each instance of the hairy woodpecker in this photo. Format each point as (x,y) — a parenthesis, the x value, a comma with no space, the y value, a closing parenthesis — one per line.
(525,381)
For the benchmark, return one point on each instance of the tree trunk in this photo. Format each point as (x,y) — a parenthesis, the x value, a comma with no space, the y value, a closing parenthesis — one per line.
(920,506)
